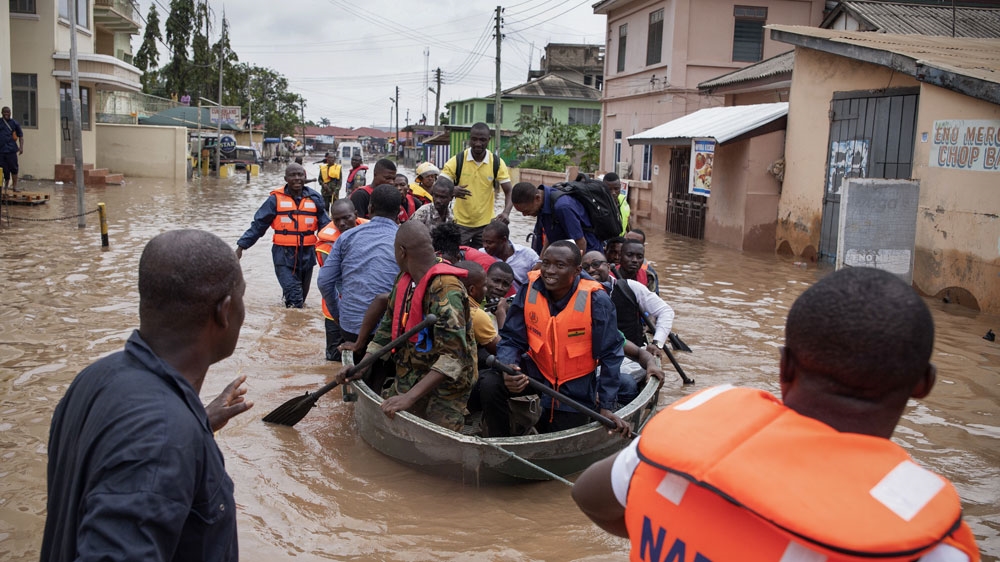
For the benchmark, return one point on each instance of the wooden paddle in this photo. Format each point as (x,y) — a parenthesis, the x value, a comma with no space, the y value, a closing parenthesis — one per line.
(492,363)
(291,412)
(666,349)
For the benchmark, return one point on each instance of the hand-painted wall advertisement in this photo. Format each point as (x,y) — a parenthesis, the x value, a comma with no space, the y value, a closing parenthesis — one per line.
(702,161)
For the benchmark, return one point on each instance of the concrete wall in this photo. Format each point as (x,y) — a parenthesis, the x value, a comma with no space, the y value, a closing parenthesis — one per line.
(143,150)
(958,219)
(5,93)
(958,223)
(816,76)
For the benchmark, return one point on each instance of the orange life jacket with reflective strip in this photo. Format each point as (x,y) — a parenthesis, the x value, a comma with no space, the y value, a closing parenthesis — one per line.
(562,345)
(326,237)
(733,474)
(294,225)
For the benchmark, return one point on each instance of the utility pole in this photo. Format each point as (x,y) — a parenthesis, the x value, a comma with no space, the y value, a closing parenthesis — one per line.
(74,69)
(427,58)
(396,101)
(218,127)
(437,101)
(302,117)
(496,103)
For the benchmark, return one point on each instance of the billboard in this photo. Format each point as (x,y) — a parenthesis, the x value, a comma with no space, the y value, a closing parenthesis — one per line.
(972,145)
(225,116)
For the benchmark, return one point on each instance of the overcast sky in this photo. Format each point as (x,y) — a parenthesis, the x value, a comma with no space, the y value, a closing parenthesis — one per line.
(346,57)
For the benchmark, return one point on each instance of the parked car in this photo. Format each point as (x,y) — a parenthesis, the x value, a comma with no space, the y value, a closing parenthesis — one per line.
(242,156)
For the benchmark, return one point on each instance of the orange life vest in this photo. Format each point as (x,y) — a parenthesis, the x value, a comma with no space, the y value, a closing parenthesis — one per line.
(326,237)
(562,345)
(403,320)
(294,225)
(733,474)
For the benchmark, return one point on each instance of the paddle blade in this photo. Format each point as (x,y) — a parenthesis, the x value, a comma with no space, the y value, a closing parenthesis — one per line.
(291,412)
(677,343)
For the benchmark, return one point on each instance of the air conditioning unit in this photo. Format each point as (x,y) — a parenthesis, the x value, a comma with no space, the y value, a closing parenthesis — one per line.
(624,170)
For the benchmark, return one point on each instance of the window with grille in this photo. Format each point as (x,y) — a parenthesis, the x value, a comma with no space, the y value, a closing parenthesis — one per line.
(22,6)
(527,109)
(654,43)
(583,116)
(66,104)
(545,111)
(490,113)
(748,33)
(24,94)
(622,39)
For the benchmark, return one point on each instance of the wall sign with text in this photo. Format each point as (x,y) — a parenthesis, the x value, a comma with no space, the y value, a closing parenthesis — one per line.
(966,145)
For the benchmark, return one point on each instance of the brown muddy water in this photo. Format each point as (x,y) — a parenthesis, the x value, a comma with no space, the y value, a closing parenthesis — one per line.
(317,491)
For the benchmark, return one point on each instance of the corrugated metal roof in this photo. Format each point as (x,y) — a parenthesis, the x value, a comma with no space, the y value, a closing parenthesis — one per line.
(768,68)
(921,56)
(921,19)
(554,86)
(720,123)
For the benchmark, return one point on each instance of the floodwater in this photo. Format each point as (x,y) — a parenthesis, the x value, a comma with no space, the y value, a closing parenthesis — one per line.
(317,491)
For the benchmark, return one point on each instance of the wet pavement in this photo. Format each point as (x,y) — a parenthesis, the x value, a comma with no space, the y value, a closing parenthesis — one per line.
(317,491)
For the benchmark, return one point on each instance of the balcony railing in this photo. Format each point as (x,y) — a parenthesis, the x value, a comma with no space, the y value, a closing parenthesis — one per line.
(128,107)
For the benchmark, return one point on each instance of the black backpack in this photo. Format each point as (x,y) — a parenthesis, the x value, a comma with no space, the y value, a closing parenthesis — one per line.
(600,205)
(496,169)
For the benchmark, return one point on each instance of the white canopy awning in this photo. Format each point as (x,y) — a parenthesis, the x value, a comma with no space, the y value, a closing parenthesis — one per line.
(720,123)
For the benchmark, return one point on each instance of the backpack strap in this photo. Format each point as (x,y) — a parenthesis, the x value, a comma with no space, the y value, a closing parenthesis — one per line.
(496,168)
(458,166)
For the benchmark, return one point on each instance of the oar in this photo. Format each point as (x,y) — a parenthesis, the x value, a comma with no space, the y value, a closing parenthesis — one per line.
(492,363)
(666,349)
(291,412)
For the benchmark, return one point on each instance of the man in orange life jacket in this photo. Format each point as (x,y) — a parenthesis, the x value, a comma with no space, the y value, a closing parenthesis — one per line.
(735,474)
(560,326)
(342,218)
(296,213)
(435,369)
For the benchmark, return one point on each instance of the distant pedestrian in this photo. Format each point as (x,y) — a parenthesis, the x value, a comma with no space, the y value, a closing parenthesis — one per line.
(296,213)
(329,179)
(11,145)
(478,175)
(614,186)
(356,177)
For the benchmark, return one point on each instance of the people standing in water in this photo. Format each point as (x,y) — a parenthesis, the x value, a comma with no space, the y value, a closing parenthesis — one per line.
(329,179)
(342,218)
(735,473)
(478,175)
(384,173)
(295,213)
(356,177)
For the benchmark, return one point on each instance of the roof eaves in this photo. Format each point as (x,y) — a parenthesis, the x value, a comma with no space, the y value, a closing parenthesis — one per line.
(881,57)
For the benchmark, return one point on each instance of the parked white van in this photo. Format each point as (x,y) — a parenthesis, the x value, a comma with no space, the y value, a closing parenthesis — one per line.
(348,150)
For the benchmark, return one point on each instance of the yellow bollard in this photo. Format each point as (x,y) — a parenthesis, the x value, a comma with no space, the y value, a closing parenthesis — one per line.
(224,171)
(102,211)
(254,170)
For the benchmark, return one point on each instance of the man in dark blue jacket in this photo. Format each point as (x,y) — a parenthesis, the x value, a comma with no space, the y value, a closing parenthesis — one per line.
(134,471)
(296,213)
(558,217)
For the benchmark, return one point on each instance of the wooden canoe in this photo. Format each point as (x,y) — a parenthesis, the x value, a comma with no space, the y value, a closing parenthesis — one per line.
(432,448)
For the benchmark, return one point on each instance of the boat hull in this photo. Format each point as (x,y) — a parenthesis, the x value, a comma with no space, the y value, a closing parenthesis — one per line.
(432,448)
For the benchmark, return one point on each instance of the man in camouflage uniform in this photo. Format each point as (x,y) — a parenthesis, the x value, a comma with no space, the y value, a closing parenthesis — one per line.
(434,372)
(329,179)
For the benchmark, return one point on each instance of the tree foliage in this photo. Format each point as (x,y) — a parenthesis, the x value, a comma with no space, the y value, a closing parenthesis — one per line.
(148,56)
(545,144)
(193,69)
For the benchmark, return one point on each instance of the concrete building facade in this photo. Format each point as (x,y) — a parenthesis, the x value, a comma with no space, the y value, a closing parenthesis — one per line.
(907,107)
(38,74)
(658,51)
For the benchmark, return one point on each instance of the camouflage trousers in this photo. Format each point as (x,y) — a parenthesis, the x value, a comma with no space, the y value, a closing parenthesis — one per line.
(445,405)
(330,191)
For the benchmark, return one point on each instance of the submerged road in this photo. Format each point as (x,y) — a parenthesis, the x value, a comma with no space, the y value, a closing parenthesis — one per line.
(317,491)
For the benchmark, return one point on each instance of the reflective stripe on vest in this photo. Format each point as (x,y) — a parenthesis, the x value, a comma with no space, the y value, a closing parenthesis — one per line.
(562,345)
(733,474)
(294,225)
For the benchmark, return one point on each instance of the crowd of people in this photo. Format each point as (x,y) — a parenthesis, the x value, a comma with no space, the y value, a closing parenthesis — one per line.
(134,469)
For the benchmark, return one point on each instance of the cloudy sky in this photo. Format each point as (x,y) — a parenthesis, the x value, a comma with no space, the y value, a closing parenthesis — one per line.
(347,56)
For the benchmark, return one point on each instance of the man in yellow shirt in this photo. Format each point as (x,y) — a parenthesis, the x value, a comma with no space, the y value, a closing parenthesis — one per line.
(476,189)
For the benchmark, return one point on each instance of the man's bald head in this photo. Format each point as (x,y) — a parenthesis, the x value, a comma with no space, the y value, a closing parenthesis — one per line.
(183,275)
(343,205)
(413,246)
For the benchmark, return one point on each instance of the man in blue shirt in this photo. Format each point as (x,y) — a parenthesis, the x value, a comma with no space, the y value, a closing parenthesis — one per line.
(521,259)
(558,217)
(556,284)
(362,264)
(11,144)
(134,471)
(296,213)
